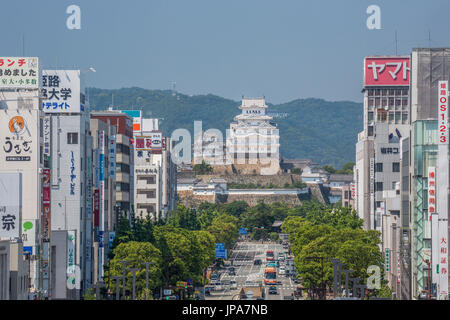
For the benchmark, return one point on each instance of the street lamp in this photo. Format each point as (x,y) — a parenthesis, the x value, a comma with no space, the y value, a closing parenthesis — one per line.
(323,295)
(133,270)
(146,274)
(123,262)
(117,278)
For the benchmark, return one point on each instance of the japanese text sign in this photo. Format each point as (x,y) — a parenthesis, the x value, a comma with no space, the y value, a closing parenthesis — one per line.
(431,191)
(443,112)
(20,72)
(61,91)
(386,71)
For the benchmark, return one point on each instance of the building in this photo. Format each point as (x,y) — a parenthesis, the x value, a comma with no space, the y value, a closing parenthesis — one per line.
(105,215)
(67,158)
(428,174)
(124,156)
(21,146)
(154,172)
(253,140)
(336,184)
(386,119)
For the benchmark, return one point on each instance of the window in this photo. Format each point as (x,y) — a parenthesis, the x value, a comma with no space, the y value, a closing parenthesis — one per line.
(393,184)
(72,138)
(379,186)
(395,166)
(379,167)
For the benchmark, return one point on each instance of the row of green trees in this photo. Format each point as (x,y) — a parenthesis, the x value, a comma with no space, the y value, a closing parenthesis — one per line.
(178,248)
(331,233)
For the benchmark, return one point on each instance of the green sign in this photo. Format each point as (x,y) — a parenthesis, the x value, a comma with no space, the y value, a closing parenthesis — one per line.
(387,262)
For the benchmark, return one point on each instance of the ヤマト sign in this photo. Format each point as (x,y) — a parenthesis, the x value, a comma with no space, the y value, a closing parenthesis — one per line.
(19,72)
(386,71)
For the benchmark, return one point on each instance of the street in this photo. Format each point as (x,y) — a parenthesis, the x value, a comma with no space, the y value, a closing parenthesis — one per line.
(242,259)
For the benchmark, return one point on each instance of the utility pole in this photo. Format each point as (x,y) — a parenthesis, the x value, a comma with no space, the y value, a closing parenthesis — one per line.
(146,274)
(99,284)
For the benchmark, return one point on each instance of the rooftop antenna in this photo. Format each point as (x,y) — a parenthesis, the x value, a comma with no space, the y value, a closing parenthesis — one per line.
(396,42)
(112,101)
(429,38)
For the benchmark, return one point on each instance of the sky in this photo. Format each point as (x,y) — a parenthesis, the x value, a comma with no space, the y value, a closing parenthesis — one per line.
(283,50)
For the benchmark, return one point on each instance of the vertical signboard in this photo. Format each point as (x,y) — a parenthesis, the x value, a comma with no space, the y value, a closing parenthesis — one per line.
(442,189)
(112,157)
(46,136)
(398,269)
(88,233)
(372,193)
(101,147)
(431,191)
(96,207)
(387,262)
(71,257)
(45,224)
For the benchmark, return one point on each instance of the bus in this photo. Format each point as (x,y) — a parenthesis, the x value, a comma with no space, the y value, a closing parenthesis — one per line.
(270,255)
(270,275)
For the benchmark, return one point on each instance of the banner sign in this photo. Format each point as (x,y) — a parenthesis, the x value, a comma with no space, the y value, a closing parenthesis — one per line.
(443,107)
(46,133)
(72,174)
(112,157)
(387,262)
(96,207)
(386,71)
(431,191)
(19,72)
(152,142)
(61,91)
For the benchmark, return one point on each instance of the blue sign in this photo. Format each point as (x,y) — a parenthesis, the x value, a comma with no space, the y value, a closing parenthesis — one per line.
(220,246)
(102,167)
(101,239)
(242,231)
(28,250)
(221,253)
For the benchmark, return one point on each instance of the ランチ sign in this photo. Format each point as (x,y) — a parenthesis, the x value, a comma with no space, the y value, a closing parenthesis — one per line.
(61,91)
(386,71)
(19,72)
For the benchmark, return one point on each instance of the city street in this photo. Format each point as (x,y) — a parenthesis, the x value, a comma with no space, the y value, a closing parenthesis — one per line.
(242,259)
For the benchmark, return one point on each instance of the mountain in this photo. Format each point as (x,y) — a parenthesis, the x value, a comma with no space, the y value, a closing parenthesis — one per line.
(309,128)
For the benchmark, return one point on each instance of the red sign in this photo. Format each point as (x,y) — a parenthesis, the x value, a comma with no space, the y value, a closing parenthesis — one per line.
(96,208)
(46,221)
(386,71)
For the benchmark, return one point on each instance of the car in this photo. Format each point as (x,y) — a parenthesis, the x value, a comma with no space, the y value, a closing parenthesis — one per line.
(281,258)
(257,262)
(273,290)
(231,272)
(215,276)
(282,271)
(233,284)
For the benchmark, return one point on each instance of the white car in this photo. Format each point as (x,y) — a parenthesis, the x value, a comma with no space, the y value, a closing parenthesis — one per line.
(282,270)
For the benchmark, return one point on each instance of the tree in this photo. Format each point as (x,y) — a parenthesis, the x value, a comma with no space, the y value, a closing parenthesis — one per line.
(202,168)
(136,253)
(347,168)
(296,171)
(329,169)
(185,218)
(225,230)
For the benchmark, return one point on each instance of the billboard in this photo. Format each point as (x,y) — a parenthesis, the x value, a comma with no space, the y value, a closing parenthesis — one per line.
(61,91)
(137,119)
(387,71)
(96,207)
(10,205)
(150,142)
(18,142)
(19,72)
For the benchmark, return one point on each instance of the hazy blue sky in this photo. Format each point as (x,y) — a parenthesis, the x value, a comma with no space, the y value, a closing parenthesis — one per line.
(281,49)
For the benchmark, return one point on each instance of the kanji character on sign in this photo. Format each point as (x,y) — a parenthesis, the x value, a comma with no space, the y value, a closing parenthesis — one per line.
(443,241)
(8,222)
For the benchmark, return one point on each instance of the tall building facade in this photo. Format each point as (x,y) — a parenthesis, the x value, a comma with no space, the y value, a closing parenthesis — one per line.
(21,151)
(124,156)
(428,172)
